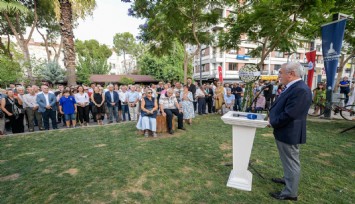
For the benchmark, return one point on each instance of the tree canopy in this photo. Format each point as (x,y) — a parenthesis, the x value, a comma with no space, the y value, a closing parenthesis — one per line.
(274,24)
(165,67)
(92,59)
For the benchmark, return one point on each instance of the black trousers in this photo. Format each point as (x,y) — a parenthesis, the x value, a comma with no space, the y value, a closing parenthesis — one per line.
(49,113)
(83,114)
(201,105)
(209,103)
(16,124)
(169,117)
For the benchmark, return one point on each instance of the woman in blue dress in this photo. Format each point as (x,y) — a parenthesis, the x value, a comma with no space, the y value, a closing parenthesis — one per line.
(187,105)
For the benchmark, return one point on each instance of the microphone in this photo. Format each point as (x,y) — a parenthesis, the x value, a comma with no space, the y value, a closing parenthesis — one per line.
(249,116)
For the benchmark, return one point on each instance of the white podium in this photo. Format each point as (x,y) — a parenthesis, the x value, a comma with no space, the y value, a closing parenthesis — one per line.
(243,138)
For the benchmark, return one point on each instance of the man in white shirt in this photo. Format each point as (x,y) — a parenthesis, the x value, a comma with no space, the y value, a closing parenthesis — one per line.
(124,103)
(169,107)
(29,101)
(133,97)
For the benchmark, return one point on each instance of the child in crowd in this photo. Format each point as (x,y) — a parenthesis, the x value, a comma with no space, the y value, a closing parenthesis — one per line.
(68,108)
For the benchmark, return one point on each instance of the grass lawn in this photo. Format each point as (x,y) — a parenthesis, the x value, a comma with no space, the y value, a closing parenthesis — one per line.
(112,164)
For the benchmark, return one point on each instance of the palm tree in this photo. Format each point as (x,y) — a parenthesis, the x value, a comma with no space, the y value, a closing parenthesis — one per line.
(70,10)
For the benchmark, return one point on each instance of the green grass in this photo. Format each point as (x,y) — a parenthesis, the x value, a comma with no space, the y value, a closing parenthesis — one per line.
(112,164)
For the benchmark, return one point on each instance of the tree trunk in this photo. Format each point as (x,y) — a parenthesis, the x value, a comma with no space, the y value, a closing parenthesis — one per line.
(186,64)
(22,42)
(124,62)
(66,24)
(45,39)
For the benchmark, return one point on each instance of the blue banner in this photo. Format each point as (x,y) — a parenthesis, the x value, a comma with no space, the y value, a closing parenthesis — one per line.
(332,40)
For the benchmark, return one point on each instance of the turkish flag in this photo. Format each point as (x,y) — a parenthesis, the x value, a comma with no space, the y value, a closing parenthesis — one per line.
(311,59)
(220,74)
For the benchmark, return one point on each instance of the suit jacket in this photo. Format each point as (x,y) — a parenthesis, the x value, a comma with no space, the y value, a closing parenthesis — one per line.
(288,114)
(210,92)
(108,98)
(41,101)
(192,89)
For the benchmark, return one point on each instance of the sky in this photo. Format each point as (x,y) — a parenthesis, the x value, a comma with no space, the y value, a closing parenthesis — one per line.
(109,17)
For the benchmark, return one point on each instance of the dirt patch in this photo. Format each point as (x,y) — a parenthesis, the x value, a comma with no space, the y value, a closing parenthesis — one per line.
(187,170)
(160,136)
(50,197)
(225,146)
(11,177)
(46,171)
(115,193)
(352,173)
(8,145)
(267,135)
(137,186)
(41,160)
(323,154)
(349,144)
(325,162)
(3,161)
(100,145)
(209,184)
(72,171)
(229,155)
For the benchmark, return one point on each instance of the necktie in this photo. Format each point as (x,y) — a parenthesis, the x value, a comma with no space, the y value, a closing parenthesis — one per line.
(283,90)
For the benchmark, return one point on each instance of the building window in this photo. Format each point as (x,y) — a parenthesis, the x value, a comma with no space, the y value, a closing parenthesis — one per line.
(298,56)
(233,67)
(279,54)
(277,66)
(248,50)
(232,52)
(319,59)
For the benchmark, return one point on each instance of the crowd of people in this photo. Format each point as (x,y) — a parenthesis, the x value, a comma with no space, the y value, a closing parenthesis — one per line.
(76,106)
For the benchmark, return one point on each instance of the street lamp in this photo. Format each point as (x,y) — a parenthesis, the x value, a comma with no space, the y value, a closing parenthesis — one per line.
(201,53)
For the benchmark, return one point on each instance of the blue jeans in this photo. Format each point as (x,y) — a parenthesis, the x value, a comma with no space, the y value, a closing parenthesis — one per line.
(124,111)
(238,104)
(201,105)
(70,116)
(113,112)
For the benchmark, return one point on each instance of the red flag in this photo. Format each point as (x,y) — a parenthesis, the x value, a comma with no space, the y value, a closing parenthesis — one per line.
(220,74)
(311,59)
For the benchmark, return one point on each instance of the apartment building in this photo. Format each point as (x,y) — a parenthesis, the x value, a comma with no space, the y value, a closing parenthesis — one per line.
(232,61)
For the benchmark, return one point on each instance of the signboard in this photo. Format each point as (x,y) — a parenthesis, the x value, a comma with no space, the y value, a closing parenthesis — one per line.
(332,39)
(243,57)
(220,74)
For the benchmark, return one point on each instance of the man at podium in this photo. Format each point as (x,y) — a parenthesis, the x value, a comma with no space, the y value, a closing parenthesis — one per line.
(288,117)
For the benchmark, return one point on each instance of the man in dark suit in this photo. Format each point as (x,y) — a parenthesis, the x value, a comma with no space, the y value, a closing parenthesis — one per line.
(288,118)
(209,97)
(112,102)
(192,89)
(47,105)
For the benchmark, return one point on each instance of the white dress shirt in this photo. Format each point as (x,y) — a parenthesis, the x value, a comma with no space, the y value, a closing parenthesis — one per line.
(82,98)
(47,98)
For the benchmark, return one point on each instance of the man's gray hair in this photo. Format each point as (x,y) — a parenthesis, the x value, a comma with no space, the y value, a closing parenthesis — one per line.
(296,67)
(170,90)
(20,88)
(228,89)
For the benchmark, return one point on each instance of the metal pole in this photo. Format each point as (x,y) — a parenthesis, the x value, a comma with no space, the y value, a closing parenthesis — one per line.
(200,66)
